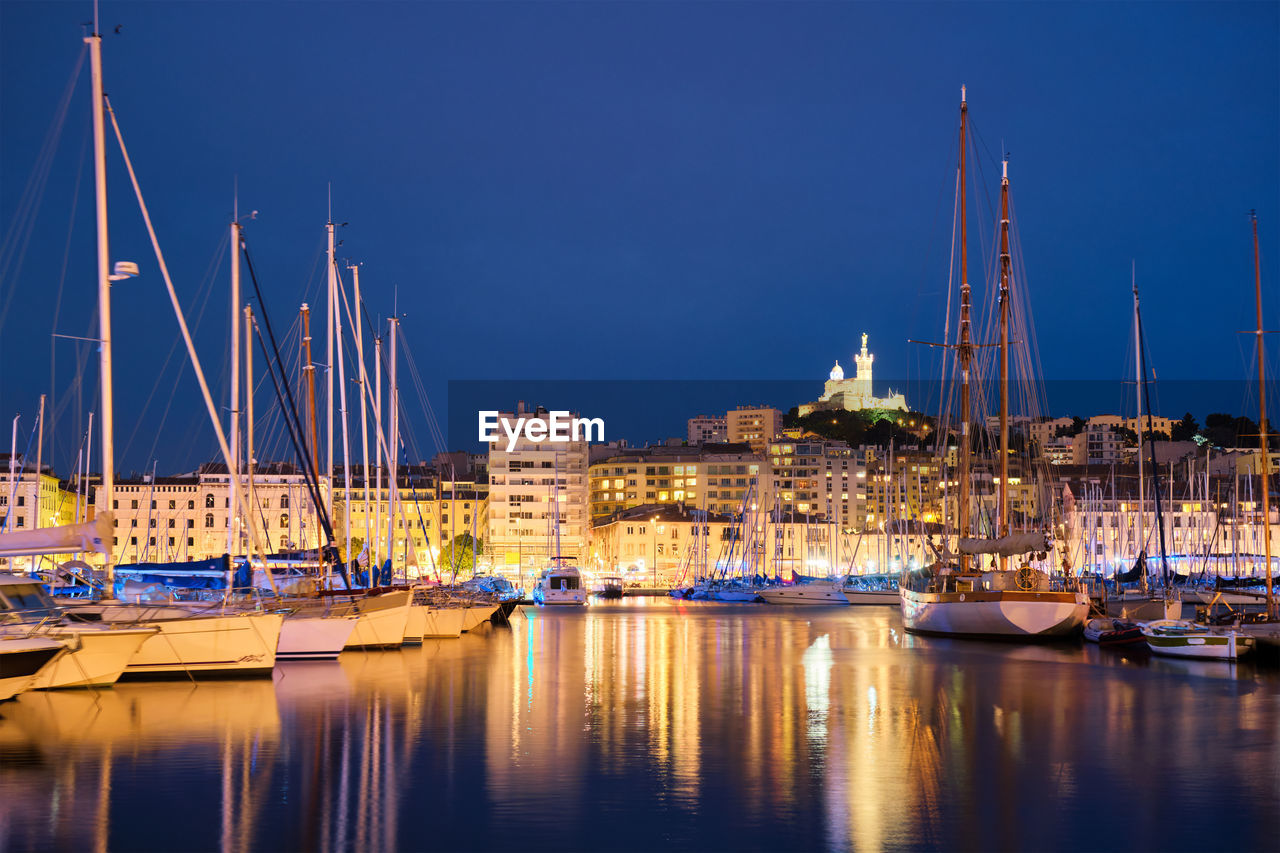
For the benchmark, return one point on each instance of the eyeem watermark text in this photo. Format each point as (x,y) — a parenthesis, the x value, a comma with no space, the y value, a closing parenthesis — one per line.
(557,426)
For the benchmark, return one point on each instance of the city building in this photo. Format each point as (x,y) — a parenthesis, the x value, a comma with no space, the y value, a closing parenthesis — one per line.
(754,426)
(707,429)
(537,500)
(817,476)
(856,394)
(714,477)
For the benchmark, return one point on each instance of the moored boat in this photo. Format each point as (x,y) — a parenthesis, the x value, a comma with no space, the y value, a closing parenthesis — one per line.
(305,636)
(22,659)
(560,585)
(1181,639)
(1113,632)
(826,591)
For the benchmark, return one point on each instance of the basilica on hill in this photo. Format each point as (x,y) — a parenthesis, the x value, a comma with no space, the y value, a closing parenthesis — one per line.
(853,395)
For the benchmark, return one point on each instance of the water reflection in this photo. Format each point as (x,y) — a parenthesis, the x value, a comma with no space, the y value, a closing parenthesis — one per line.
(653,723)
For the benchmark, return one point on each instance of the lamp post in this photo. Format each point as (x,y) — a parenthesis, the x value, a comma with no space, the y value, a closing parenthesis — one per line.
(655,552)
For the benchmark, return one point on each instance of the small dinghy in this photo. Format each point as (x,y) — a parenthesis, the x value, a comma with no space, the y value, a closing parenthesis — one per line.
(1113,632)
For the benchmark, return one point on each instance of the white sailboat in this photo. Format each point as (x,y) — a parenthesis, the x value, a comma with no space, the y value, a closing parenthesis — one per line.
(956,597)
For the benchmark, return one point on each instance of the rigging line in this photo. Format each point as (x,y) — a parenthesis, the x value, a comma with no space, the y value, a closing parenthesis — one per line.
(205,291)
(290,411)
(12,254)
(432,424)
(62,275)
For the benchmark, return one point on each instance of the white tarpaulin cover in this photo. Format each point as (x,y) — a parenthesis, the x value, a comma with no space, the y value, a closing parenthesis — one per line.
(1007,546)
(68,539)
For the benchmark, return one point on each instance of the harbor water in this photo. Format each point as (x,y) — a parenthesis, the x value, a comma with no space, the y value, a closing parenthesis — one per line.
(652,724)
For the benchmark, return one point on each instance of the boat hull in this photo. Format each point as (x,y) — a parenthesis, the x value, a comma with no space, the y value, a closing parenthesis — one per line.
(304,637)
(1198,644)
(415,627)
(806,594)
(476,615)
(872,596)
(94,658)
(444,623)
(999,614)
(22,659)
(381,621)
(234,646)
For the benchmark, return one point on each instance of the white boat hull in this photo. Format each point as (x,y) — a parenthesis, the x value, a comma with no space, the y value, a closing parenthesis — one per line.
(240,645)
(444,623)
(476,615)
(872,596)
(747,595)
(96,657)
(1201,644)
(810,593)
(305,637)
(415,627)
(30,657)
(381,621)
(994,614)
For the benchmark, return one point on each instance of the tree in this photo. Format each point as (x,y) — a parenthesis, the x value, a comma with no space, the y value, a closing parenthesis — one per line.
(465,550)
(1186,429)
(1077,427)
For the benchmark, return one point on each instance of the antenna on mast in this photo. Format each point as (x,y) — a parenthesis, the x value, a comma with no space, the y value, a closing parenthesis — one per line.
(962,90)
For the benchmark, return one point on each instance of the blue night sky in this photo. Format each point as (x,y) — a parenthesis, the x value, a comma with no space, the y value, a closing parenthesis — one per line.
(636,190)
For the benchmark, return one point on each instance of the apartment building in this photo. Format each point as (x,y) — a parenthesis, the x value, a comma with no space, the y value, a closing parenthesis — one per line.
(537,499)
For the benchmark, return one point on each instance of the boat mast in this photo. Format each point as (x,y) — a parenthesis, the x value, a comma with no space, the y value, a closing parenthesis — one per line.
(393,446)
(309,370)
(342,400)
(1262,420)
(328,372)
(1142,496)
(104,287)
(380,449)
(248,423)
(233,472)
(364,420)
(1002,513)
(965,348)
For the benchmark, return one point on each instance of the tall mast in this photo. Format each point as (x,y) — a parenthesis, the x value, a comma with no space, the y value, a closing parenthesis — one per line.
(965,349)
(329,356)
(248,405)
(394,445)
(377,420)
(364,420)
(1141,374)
(309,371)
(39,460)
(233,469)
(104,288)
(1002,516)
(342,398)
(1262,420)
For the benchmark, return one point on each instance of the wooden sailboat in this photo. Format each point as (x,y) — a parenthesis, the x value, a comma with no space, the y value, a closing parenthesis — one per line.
(957,597)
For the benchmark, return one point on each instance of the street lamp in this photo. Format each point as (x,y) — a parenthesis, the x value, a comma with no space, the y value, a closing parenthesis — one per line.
(655,552)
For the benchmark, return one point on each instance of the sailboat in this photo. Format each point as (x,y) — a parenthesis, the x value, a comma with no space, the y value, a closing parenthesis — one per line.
(956,596)
(560,583)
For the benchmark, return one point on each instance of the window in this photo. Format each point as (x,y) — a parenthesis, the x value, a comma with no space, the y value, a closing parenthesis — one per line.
(135,503)
(153,504)
(208,501)
(191,504)
(191,522)
(153,523)
(284,501)
(115,504)
(22,522)
(208,519)
(173,504)
(173,522)
(284,519)
(191,542)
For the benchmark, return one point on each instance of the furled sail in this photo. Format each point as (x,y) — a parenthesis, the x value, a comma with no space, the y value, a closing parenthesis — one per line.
(1007,546)
(67,539)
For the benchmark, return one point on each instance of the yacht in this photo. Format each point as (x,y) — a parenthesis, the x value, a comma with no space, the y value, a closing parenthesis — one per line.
(22,659)
(827,591)
(560,584)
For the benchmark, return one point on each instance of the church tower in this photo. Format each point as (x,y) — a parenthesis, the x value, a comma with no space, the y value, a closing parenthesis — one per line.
(862,382)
